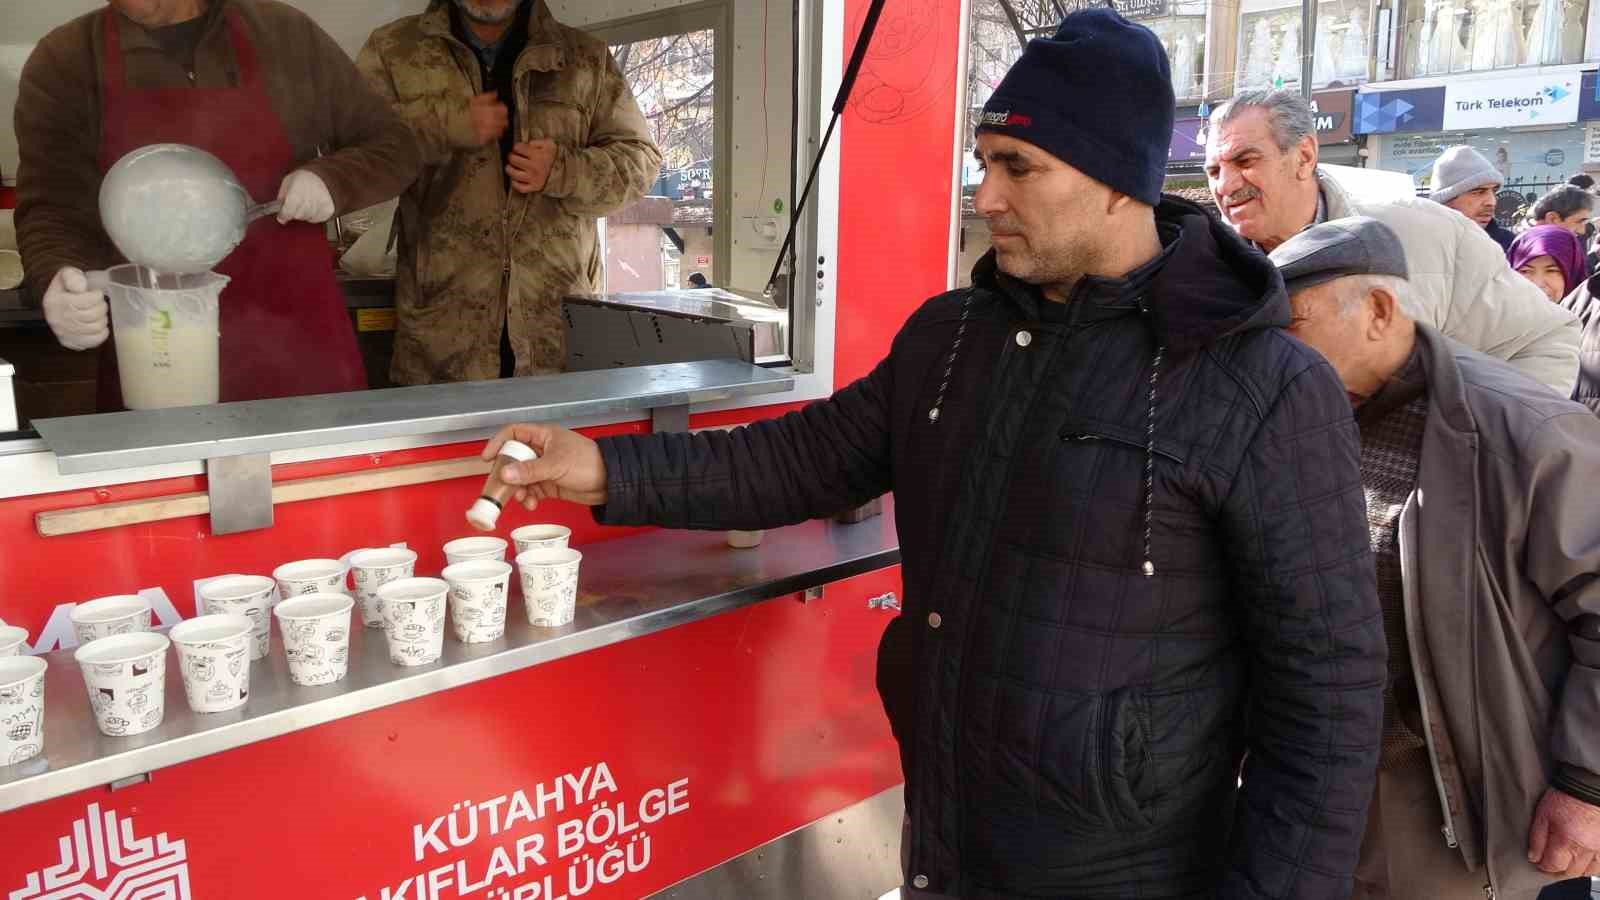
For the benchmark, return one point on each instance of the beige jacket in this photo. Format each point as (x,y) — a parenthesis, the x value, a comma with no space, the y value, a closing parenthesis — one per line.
(473,255)
(1462,286)
(368,158)
(1500,546)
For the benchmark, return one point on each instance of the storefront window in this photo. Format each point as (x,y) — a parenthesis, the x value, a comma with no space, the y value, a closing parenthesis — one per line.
(1444,36)
(1531,162)
(1271,46)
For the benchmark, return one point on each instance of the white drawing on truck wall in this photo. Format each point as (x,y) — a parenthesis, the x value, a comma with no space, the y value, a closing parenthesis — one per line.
(102,859)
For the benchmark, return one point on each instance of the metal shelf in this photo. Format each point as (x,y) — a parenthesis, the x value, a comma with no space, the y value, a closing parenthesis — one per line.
(629,588)
(134,439)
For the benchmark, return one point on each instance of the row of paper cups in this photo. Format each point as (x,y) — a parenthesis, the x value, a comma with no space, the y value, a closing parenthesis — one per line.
(124,663)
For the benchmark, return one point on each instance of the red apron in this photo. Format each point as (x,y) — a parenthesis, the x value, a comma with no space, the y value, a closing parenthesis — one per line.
(285,331)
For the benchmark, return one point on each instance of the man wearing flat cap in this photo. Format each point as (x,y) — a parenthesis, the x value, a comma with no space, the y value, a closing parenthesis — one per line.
(1129,508)
(1479,486)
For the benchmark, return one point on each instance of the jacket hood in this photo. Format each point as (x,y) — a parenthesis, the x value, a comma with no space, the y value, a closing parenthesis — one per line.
(1209,283)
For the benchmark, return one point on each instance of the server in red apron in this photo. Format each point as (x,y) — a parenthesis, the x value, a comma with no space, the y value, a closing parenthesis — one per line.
(263,88)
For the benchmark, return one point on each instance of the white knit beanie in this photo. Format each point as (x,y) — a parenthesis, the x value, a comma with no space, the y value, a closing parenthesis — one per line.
(1462,169)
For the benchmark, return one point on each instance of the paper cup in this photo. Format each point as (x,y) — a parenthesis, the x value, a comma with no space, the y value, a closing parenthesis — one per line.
(413,620)
(310,576)
(214,658)
(372,570)
(21,708)
(541,537)
(550,585)
(316,636)
(251,596)
(126,676)
(470,548)
(110,616)
(12,640)
(478,599)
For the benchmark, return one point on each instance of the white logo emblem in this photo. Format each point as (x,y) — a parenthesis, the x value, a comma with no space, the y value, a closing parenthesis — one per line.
(102,847)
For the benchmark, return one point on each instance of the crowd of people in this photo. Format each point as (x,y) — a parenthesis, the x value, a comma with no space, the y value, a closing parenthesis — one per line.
(1554,246)
(1246,556)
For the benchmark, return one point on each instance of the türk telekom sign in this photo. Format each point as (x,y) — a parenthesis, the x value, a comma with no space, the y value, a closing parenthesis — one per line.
(1499,103)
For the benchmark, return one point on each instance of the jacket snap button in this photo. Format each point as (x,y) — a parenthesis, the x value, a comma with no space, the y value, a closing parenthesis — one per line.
(919,882)
(1024,339)
(935,620)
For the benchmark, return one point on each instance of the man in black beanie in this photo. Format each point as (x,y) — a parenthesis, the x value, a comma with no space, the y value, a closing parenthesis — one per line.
(1131,518)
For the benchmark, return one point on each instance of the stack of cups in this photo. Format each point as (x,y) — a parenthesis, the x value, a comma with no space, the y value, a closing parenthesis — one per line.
(110,616)
(413,620)
(316,637)
(478,599)
(372,570)
(310,576)
(550,585)
(541,537)
(470,548)
(21,708)
(250,596)
(214,658)
(11,640)
(126,676)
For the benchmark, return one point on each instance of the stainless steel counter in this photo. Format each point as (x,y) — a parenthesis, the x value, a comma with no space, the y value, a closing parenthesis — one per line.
(156,437)
(629,588)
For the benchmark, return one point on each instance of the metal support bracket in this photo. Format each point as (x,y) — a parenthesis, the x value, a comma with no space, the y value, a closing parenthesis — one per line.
(240,490)
(669,419)
(130,781)
(811,594)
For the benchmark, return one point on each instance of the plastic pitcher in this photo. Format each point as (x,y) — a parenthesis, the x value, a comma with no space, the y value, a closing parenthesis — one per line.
(167,336)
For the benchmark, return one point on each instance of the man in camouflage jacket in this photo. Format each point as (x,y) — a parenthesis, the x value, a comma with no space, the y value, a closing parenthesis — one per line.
(495,232)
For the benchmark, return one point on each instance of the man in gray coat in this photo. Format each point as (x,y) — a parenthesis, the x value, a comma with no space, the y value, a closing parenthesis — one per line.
(1487,541)
(1261,163)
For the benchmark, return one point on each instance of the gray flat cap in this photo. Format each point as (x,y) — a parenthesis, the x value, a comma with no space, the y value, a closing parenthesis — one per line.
(1353,246)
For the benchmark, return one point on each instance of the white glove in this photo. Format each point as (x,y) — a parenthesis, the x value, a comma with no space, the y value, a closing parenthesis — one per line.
(305,198)
(78,316)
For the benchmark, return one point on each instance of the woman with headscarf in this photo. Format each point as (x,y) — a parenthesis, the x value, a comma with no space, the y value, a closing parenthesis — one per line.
(1551,257)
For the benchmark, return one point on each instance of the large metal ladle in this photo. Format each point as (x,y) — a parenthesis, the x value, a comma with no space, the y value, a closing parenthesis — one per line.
(177,209)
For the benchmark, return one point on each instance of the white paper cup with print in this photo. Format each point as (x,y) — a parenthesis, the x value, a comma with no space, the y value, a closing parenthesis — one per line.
(21,708)
(316,636)
(12,641)
(550,585)
(470,548)
(127,677)
(541,537)
(214,659)
(110,616)
(372,569)
(310,576)
(478,599)
(413,619)
(251,596)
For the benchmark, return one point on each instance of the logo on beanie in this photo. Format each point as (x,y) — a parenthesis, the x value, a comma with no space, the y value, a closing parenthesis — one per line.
(1004,119)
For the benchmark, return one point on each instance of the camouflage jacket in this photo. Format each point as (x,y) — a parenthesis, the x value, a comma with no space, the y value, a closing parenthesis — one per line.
(471,254)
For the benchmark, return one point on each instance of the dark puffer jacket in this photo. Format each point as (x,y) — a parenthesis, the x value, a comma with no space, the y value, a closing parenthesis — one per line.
(1069,725)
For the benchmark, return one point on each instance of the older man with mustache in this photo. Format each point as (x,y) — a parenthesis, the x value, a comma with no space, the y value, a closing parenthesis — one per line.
(1261,162)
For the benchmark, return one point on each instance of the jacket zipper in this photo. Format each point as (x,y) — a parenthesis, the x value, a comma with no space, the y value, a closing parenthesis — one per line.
(1408,598)
(1084,437)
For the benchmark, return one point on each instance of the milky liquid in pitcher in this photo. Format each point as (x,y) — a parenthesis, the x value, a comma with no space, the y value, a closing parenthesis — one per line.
(168,360)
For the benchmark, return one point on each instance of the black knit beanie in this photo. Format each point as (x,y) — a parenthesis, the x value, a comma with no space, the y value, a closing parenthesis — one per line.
(1098,96)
